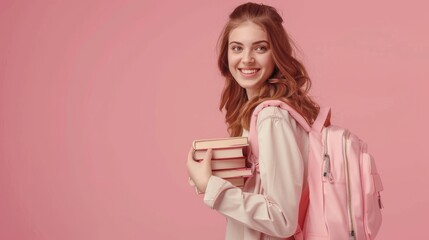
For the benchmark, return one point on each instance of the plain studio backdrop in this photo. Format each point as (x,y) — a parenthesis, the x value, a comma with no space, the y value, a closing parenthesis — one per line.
(100,101)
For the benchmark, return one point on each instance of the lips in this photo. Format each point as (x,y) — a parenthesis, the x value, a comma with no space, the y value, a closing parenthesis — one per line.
(248,72)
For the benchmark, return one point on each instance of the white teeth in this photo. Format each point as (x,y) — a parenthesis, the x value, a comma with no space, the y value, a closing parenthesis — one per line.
(248,71)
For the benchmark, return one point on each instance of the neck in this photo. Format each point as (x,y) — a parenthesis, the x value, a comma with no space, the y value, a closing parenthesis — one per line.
(250,94)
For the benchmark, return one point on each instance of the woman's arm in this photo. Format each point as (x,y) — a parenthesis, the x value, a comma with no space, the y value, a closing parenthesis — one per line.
(275,211)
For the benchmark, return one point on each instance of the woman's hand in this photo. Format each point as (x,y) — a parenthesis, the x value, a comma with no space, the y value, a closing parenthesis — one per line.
(200,172)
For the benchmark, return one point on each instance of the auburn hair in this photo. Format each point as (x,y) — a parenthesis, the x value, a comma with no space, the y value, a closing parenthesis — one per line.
(289,81)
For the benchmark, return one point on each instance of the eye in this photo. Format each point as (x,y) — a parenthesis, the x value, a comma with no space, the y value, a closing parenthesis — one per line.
(236,48)
(261,49)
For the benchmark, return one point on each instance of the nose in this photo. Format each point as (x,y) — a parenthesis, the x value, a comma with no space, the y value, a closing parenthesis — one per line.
(248,58)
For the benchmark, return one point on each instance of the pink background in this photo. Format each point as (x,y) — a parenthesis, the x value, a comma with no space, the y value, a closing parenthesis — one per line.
(100,100)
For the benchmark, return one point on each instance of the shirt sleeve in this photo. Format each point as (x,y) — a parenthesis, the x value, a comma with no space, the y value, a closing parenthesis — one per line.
(275,211)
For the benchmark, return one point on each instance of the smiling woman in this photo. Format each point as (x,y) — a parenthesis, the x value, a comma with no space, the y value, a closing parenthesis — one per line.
(254,39)
(249,57)
(256,59)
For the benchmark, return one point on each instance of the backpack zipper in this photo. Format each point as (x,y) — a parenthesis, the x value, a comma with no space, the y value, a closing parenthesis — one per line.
(327,165)
(326,156)
(325,146)
(327,160)
(349,205)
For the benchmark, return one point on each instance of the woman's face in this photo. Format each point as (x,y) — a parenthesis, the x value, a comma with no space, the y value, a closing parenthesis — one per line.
(249,57)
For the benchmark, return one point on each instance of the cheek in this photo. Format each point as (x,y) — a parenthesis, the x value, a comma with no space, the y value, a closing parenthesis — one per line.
(232,62)
(269,63)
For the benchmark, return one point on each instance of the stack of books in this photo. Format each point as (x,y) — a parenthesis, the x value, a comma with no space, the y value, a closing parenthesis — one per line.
(228,159)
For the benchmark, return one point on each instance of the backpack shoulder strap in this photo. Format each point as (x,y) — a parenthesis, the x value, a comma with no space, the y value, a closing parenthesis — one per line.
(278,103)
(323,118)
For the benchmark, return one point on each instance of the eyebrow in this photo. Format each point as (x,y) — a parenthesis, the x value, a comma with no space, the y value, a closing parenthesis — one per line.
(258,42)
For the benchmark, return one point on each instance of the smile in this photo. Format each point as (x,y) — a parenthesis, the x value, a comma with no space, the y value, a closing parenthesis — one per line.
(248,72)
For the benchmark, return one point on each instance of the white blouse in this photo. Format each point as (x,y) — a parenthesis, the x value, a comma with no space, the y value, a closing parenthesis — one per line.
(267,207)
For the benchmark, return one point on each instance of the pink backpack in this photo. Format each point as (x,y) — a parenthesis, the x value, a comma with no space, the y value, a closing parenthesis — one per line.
(343,196)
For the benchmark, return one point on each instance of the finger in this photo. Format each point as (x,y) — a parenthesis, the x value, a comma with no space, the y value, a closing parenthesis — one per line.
(190,155)
(209,155)
(191,183)
(190,163)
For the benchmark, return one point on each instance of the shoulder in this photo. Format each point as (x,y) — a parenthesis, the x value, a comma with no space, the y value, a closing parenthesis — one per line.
(273,113)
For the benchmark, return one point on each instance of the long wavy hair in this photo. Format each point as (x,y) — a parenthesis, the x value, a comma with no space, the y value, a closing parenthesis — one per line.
(289,81)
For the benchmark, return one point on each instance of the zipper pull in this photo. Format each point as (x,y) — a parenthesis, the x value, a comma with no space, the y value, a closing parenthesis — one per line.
(352,235)
(327,165)
(379,201)
(327,169)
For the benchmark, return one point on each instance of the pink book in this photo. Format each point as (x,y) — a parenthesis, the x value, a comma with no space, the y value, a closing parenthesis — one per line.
(220,143)
(223,148)
(238,182)
(228,164)
(232,173)
(223,153)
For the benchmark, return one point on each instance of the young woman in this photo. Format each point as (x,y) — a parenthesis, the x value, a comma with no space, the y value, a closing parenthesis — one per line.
(256,59)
